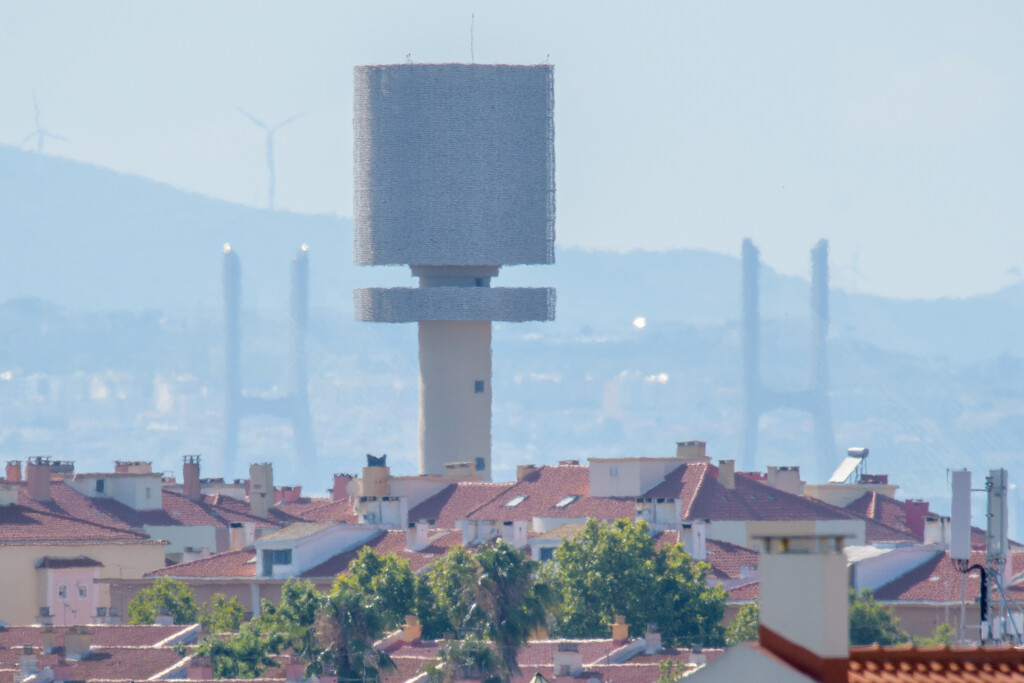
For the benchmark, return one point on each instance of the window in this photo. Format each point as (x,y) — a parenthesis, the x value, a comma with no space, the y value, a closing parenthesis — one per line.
(62,591)
(514,502)
(272,557)
(613,471)
(83,591)
(547,554)
(101,485)
(479,282)
(481,465)
(149,493)
(282,557)
(478,386)
(566,502)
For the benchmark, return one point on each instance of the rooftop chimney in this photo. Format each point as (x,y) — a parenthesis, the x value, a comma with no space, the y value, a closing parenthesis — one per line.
(620,629)
(77,642)
(652,640)
(727,473)
(294,670)
(805,604)
(28,662)
(13,472)
(133,467)
(236,536)
(786,479)
(693,536)
(692,450)
(261,488)
(190,477)
(523,470)
(375,476)
(411,630)
(340,490)
(568,660)
(37,472)
(916,510)
(417,536)
(199,669)
(48,639)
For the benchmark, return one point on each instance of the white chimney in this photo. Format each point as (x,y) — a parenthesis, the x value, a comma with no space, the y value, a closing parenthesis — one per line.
(727,473)
(693,536)
(937,529)
(417,536)
(805,603)
(568,660)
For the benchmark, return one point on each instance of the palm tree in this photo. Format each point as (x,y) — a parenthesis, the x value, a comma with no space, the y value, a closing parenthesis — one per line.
(510,602)
(348,624)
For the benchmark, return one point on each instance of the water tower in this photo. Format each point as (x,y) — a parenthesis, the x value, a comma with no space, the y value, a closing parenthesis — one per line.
(455,177)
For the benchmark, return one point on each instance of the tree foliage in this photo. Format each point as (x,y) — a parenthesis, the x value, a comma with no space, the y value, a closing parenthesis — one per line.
(508,601)
(942,635)
(293,618)
(245,654)
(744,626)
(221,614)
(389,579)
(347,624)
(871,622)
(611,569)
(444,593)
(470,658)
(165,595)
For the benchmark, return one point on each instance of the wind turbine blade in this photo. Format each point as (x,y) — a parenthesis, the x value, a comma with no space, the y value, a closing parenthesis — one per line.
(57,137)
(30,137)
(289,120)
(35,106)
(252,118)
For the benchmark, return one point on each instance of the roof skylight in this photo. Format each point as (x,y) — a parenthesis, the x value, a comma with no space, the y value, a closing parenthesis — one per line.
(514,501)
(566,502)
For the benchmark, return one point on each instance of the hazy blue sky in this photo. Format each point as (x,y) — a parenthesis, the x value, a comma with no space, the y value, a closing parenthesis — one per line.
(891,128)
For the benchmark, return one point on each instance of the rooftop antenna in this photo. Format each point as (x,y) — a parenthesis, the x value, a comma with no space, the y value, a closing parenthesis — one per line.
(270,148)
(40,133)
(472,19)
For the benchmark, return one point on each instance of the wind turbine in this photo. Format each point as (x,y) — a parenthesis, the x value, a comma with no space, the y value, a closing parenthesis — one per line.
(270,148)
(41,133)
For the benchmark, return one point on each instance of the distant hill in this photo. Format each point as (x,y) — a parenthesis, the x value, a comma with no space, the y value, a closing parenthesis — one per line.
(92,239)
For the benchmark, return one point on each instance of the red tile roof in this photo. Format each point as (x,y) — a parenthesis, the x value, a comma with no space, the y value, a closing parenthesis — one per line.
(745,591)
(881,508)
(728,560)
(321,510)
(938,581)
(548,485)
(102,663)
(935,665)
(234,563)
(102,636)
(441,541)
(456,501)
(20,524)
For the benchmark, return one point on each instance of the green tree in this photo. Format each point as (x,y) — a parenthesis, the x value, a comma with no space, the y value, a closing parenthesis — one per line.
(347,624)
(744,627)
(871,622)
(389,578)
(444,594)
(293,618)
(165,594)
(614,568)
(243,655)
(942,635)
(471,658)
(508,601)
(221,615)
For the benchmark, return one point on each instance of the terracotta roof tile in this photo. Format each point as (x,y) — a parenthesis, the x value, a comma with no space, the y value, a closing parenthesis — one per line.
(881,508)
(20,524)
(938,581)
(456,501)
(935,665)
(321,510)
(745,591)
(441,541)
(102,636)
(548,485)
(234,563)
(104,663)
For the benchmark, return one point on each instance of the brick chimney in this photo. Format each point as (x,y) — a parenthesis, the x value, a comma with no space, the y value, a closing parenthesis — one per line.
(190,487)
(37,473)
(805,604)
(916,510)
(727,473)
(287,494)
(340,490)
(13,471)
(61,671)
(620,629)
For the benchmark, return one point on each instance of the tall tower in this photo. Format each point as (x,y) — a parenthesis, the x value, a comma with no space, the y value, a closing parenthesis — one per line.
(758,399)
(454,176)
